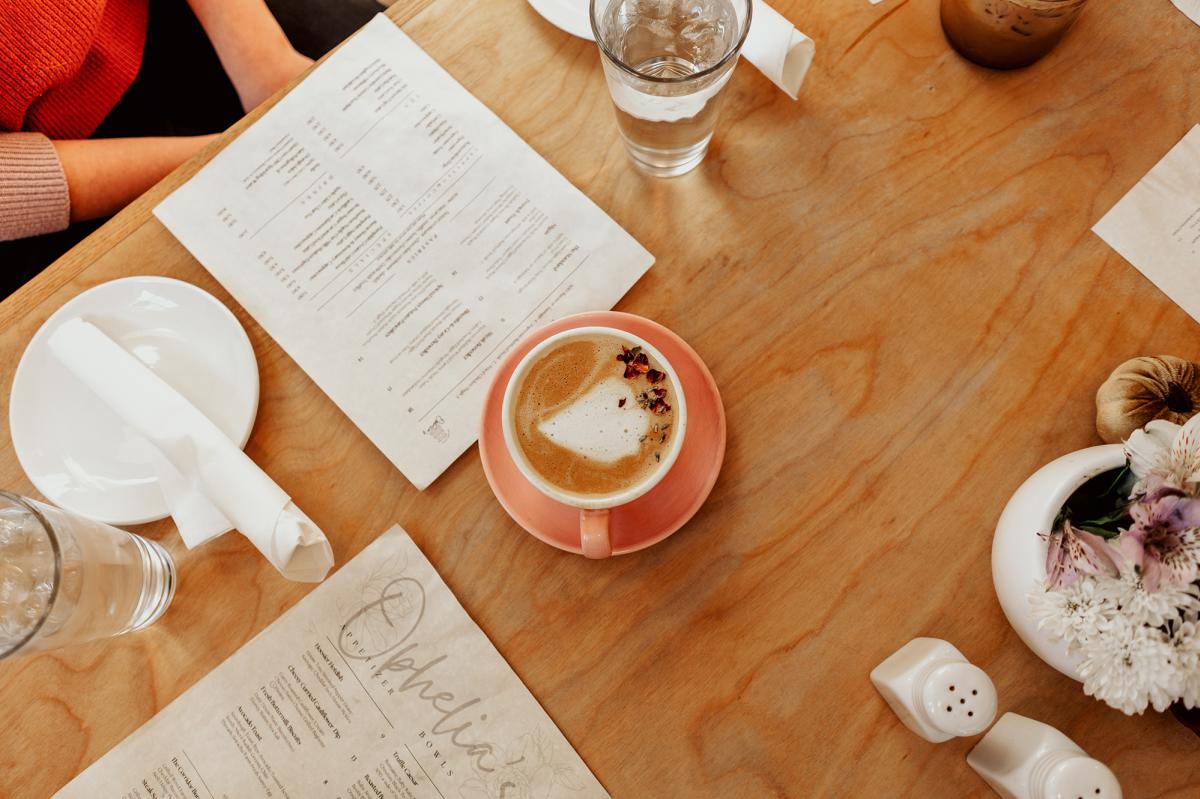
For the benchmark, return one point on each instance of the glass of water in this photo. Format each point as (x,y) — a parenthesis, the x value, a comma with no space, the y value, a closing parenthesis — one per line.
(666,62)
(64,579)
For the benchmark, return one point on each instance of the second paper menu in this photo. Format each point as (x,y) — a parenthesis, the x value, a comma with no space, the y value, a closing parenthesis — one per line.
(377,685)
(396,238)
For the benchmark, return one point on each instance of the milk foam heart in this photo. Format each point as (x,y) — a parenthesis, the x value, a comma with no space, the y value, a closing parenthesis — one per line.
(598,425)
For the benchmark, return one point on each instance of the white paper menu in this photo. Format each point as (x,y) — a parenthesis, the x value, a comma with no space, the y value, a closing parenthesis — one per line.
(396,238)
(1156,226)
(377,685)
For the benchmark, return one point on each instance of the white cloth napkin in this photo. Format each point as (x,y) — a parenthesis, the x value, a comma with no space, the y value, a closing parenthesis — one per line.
(209,484)
(777,49)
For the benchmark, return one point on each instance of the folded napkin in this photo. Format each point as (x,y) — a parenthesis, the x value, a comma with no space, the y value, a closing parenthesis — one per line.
(209,484)
(777,49)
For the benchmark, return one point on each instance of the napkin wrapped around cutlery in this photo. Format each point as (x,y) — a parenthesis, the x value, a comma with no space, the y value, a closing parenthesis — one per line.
(210,485)
(777,49)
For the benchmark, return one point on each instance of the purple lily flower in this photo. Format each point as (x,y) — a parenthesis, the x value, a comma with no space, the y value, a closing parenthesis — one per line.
(1071,551)
(1164,540)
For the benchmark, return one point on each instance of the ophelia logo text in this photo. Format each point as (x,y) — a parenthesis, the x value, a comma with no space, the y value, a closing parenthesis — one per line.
(382,634)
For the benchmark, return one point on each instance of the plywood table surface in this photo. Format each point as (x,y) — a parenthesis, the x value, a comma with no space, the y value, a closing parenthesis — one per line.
(894,283)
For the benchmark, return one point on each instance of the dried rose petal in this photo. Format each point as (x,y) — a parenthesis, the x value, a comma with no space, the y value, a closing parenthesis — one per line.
(621,402)
(630,372)
(654,376)
(660,407)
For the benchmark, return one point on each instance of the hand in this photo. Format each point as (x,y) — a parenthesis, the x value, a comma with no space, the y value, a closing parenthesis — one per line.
(252,47)
(268,78)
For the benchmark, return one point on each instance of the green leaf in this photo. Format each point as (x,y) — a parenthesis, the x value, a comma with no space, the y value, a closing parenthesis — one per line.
(1103,532)
(1100,505)
(1122,482)
(1115,518)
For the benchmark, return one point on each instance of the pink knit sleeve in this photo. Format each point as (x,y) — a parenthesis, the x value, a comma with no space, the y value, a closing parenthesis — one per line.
(33,188)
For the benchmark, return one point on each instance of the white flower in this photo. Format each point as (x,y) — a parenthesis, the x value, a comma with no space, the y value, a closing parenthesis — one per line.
(1073,614)
(1163,453)
(1130,666)
(1133,602)
(1186,641)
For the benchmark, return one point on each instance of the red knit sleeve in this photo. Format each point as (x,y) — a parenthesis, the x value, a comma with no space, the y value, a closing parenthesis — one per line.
(65,64)
(43,43)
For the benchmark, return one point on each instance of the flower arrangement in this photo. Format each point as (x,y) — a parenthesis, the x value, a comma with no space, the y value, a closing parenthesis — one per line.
(1122,586)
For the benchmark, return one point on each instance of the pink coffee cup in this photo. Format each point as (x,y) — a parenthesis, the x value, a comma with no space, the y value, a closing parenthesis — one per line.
(594,510)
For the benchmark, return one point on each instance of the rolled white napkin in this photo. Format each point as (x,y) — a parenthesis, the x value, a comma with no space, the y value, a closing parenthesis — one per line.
(777,49)
(210,485)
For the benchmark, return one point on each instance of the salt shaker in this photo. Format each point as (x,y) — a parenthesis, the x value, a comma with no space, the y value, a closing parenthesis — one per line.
(935,691)
(1026,759)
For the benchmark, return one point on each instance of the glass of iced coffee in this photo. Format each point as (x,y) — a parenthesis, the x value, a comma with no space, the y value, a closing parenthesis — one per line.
(1006,34)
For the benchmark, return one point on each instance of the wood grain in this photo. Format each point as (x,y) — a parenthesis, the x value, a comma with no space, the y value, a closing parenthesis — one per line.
(895,285)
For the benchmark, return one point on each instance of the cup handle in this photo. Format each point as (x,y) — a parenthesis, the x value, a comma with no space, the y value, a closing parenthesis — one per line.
(593,533)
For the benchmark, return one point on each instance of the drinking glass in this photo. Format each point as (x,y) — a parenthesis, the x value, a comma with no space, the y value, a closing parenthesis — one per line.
(666,62)
(1006,34)
(65,579)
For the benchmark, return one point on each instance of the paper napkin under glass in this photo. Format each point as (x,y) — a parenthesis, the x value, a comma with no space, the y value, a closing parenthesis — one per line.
(777,49)
(209,484)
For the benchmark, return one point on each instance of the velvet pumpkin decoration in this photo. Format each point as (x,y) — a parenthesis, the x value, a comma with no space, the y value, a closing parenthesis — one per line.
(1144,389)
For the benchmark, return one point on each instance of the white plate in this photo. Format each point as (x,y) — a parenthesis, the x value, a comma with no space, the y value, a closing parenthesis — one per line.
(571,16)
(75,450)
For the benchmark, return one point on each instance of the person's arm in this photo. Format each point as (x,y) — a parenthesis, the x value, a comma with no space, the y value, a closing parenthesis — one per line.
(252,47)
(105,175)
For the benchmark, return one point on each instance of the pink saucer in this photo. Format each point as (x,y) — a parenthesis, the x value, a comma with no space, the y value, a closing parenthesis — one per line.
(653,516)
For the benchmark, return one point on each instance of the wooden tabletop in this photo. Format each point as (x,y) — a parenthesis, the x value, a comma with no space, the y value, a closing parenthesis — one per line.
(894,283)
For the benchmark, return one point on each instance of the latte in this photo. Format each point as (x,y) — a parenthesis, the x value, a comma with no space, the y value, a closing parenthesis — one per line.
(595,415)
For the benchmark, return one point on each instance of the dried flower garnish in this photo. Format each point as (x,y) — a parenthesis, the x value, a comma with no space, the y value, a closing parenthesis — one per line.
(627,354)
(638,366)
(657,457)
(636,362)
(653,399)
(621,402)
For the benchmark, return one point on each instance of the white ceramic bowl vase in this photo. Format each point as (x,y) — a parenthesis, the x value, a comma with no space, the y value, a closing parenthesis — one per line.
(1019,553)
